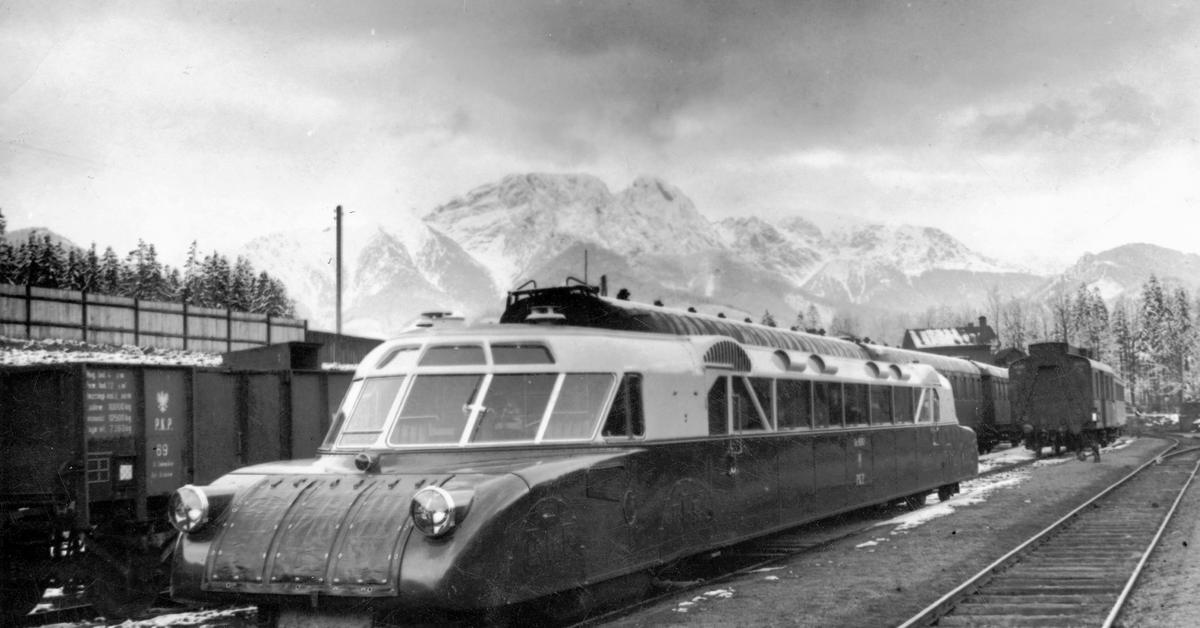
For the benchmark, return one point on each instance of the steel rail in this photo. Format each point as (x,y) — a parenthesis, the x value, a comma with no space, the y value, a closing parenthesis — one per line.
(943,604)
(1137,571)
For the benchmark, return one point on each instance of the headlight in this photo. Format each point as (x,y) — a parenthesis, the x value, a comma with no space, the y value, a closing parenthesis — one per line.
(188,509)
(436,511)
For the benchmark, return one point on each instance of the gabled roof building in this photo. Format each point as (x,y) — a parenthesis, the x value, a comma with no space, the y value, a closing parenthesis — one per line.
(975,342)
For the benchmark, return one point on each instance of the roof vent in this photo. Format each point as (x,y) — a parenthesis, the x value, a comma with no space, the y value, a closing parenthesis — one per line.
(545,315)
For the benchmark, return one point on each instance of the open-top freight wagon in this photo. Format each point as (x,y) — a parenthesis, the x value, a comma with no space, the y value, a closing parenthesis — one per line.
(90,453)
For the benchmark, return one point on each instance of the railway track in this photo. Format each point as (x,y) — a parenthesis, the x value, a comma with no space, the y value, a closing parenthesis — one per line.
(1081,569)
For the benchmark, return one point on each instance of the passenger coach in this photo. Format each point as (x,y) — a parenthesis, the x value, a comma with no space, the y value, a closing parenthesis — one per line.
(1064,399)
(482,467)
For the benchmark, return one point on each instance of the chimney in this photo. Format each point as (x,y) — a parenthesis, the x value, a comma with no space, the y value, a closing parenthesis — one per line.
(982,322)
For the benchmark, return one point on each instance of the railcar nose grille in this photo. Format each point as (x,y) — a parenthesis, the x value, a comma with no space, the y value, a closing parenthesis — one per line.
(298,535)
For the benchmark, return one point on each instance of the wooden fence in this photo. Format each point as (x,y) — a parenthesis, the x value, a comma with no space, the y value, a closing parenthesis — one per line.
(38,313)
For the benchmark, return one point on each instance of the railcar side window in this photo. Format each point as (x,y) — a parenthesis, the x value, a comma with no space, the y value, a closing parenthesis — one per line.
(435,410)
(339,419)
(881,405)
(718,407)
(764,389)
(855,402)
(827,404)
(904,403)
(513,407)
(521,354)
(399,357)
(365,422)
(794,404)
(929,411)
(577,410)
(746,417)
(453,355)
(625,415)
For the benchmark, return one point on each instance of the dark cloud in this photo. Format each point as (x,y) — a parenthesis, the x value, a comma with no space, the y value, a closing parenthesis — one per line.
(1059,118)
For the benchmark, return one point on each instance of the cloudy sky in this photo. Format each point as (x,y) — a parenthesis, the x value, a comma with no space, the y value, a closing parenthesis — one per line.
(1033,131)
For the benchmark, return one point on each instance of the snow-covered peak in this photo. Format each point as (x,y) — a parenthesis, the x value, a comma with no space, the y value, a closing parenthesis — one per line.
(513,223)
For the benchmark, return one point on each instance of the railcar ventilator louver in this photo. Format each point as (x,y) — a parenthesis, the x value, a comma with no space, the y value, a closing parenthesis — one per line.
(188,509)
(545,315)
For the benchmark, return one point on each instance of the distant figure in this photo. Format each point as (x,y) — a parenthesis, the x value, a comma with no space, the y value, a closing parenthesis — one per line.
(1094,439)
(623,295)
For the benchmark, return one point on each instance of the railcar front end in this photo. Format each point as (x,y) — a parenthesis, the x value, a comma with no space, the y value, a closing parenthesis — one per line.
(482,468)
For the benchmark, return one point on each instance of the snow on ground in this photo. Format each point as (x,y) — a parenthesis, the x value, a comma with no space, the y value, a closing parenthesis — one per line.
(973,492)
(21,352)
(977,490)
(1003,457)
(715,594)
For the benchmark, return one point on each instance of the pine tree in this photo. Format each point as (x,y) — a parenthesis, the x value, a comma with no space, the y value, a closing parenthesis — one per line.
(192,271)
(768,319)
(215,281)
(1152,338)
(8,264)
(1125,344)
(143,276)
(1180,341)
(111,272)
(813,316)
(241,285)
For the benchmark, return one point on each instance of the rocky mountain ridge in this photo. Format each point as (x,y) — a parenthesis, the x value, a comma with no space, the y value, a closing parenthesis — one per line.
(465,254)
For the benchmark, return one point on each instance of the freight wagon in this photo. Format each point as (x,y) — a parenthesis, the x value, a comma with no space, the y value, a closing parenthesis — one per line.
(90,453)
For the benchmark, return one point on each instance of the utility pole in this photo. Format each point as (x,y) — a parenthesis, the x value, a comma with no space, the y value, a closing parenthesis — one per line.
(338,218)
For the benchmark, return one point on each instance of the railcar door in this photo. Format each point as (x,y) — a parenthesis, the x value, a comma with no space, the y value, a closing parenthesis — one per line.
(744,464)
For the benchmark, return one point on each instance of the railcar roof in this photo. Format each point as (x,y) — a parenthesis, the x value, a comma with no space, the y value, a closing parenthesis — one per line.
(584,309)
(588,348)
(944,363)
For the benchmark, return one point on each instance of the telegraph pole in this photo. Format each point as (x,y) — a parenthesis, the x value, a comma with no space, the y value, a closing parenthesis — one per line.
(338,218)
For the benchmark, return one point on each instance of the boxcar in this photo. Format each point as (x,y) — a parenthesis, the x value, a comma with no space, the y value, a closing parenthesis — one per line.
(90,454)
(1064,399)
(484,467)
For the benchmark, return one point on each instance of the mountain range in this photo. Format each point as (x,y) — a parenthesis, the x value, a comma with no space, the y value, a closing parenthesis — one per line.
(650,239)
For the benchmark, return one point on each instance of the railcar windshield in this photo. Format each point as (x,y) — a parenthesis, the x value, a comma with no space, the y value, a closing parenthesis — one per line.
(474,408)
(371,409)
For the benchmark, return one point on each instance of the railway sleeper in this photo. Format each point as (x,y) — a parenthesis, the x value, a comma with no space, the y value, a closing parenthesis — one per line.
(991,621)
(1081,598)
(1028,607)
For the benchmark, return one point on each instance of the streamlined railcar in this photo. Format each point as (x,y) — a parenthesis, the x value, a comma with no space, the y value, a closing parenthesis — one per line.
(981,393)
(482,468)
(1064,399)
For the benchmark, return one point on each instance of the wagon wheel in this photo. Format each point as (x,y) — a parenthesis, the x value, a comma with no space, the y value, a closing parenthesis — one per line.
(915,501)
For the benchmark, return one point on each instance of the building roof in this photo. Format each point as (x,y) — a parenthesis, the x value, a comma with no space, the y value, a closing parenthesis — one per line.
(980,335)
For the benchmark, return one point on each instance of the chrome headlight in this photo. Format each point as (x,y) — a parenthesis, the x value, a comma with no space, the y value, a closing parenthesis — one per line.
(188,509)
(436,511)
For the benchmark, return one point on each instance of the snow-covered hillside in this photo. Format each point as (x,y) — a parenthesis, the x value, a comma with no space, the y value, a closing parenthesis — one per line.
(649,238)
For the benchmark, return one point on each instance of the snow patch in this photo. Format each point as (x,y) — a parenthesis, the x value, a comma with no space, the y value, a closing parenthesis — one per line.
(973,492)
